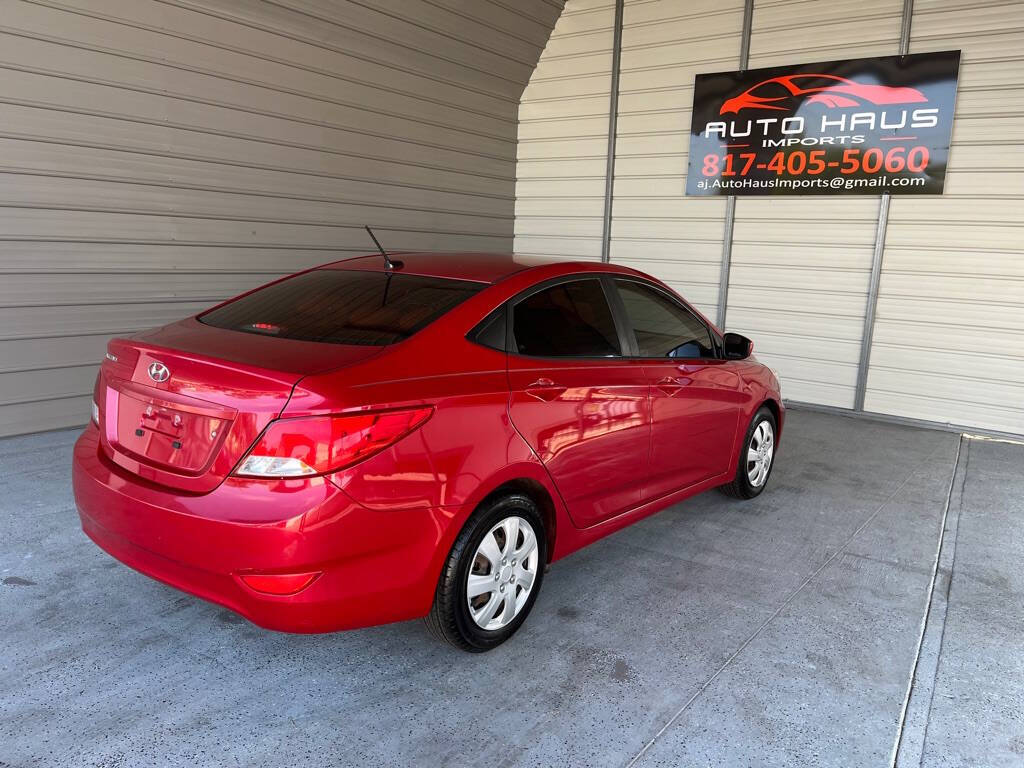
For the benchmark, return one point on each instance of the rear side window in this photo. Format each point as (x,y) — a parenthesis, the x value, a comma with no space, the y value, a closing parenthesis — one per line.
(491,332)
(343,307)
(567,320)
(662,327)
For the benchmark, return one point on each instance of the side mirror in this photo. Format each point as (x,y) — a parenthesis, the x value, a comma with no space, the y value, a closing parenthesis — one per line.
(737,347)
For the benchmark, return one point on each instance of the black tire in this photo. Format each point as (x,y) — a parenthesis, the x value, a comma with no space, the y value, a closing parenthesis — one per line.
(449,618)
(741,487)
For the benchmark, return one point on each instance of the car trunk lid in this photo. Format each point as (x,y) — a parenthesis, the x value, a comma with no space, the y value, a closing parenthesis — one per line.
(180,406)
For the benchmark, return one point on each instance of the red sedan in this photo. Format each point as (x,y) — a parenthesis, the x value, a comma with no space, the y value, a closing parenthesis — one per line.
(364,442)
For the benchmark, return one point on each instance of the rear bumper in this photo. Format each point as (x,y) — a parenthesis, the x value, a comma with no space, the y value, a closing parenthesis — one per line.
(377,566)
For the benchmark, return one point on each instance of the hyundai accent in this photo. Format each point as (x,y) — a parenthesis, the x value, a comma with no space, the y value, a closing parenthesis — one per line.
(371,440)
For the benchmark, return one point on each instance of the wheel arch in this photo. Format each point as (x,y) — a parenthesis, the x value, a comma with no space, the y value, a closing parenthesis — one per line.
(772,405)
(540,496)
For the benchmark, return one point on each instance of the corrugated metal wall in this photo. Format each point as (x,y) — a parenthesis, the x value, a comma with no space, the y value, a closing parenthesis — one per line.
(157,156)
(801,265)
(949,334)
(563,137)
(654,227)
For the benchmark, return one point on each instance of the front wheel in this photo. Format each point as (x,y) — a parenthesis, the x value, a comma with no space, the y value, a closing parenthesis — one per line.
(756,459)
(492,576)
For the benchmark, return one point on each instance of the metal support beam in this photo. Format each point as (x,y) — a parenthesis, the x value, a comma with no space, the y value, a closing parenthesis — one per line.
(613,118)
(870,310)
(908,16)
(730,201)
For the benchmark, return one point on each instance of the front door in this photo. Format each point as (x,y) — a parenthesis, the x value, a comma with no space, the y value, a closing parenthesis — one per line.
(577,401)
(695,394)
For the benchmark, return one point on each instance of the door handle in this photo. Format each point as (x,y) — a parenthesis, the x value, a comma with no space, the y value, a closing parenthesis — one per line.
(544,389)
(669,385)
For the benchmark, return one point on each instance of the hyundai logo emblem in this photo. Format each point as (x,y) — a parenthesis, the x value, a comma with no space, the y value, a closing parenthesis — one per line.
(159,372)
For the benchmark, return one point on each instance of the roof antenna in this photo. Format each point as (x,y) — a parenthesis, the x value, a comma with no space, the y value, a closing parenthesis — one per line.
(389,264)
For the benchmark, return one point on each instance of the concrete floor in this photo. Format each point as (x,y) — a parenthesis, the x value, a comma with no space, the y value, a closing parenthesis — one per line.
(782,631)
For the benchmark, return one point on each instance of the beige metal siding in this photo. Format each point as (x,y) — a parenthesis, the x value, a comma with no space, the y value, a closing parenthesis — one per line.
(563,137)
(655,228)
(949,335)
(156,157)
(801,265)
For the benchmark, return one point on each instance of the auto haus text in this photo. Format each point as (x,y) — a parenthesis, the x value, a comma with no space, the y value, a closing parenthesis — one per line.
(838,129)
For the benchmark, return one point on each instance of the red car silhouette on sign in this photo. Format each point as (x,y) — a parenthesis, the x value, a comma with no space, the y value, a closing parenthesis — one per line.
(787,92)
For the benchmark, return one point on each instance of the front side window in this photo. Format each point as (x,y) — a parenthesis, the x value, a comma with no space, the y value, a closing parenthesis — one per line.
(340,306)
(566,320)
(662,327)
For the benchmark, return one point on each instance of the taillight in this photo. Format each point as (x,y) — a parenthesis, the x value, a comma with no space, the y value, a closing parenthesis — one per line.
(320,444)
(96,392)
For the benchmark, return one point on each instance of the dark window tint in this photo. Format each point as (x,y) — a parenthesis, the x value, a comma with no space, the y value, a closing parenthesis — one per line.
(343,307)
(662,327)
(567,320)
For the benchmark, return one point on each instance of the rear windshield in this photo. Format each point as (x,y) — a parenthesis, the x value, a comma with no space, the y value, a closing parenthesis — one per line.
(343,307)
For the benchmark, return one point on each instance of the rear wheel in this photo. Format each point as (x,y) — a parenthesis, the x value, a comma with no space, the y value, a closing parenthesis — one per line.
(756,459)
(492,576)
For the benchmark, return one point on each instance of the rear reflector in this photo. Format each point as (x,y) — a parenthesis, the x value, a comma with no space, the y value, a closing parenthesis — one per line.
(321,444)
(278,583)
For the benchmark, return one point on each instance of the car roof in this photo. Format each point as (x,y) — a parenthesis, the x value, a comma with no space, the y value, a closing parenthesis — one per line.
(481,267)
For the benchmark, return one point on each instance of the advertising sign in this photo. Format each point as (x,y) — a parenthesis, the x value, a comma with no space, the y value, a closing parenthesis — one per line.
(860,126)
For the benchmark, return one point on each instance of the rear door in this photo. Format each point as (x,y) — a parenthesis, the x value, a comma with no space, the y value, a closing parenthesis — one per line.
(580,404)
(694,392)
